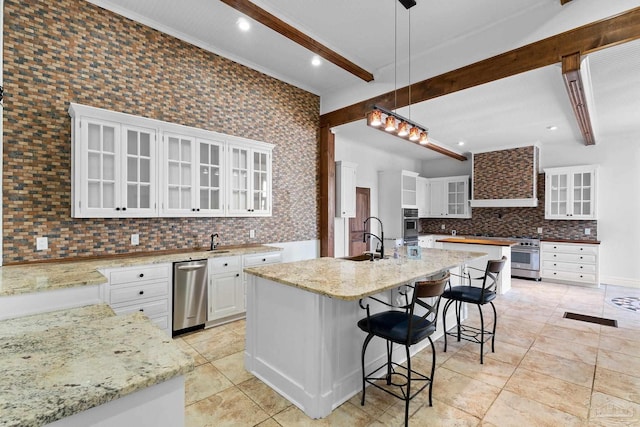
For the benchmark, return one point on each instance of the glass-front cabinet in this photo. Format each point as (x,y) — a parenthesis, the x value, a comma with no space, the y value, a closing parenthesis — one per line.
(249,181)
(113,169)
(130,166)
(570,192)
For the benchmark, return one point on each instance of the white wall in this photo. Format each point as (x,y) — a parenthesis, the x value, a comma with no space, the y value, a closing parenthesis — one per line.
(298,251)
(369,161)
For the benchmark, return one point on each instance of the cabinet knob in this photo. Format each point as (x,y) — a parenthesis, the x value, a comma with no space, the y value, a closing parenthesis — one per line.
(198,210)
(117,209)
(581,249)
(141,275)
(142,310)
(124,209)
(581,267)
(226,265)
(193,209)
(264,260)
(237,274)
(141,292)
(581,257)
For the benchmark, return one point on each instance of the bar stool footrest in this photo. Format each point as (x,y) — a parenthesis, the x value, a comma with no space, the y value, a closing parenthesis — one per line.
(470,333)
(415,376)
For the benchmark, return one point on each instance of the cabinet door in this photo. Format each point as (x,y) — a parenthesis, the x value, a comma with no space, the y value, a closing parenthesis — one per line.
(210,179)
(179,188)
(261,183)
(239,201)
(557,195)
(582,195)
(422,197)
(226,296)
(437,207)
(139,162)
(345,190)
(409,191)
(456,198)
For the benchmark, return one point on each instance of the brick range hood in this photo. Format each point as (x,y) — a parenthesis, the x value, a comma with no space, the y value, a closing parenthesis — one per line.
(505,178)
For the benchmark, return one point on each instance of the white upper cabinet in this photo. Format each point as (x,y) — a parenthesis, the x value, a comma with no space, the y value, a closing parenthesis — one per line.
(346,189)
(113,168)
(449,197)
(570,192)
(194,178)
(409,190)
(130,166)
(249,188)
(423,195)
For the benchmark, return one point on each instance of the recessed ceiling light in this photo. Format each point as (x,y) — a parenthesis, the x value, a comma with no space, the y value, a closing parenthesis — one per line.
(552,127)
(461,143)
(243,24)
(315,61)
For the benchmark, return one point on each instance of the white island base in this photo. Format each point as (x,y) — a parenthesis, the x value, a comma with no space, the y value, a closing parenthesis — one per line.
(307,346)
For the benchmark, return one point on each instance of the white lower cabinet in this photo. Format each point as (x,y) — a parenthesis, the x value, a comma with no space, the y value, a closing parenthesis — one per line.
(227,285)
(144,288)
(570,263)
(225,293)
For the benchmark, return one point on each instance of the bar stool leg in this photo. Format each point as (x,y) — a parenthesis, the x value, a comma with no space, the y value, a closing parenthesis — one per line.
(481,335)
(408,396)
(364,349)
(495,319)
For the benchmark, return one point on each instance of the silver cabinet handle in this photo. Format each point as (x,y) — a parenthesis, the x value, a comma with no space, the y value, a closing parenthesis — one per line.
(191,267)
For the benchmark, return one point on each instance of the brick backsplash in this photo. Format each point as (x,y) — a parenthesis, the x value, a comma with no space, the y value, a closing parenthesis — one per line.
(72,51)
(515,166)
(506,222)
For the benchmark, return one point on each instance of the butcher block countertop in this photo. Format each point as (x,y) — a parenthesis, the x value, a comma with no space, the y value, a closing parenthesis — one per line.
(47,276)
(477,241)
(351,280)
(64,362)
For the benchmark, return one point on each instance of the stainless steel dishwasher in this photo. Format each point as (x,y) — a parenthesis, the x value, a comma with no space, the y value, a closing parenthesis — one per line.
(189,295)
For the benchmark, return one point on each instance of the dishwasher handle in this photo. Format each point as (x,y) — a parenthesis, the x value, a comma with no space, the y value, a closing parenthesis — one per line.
(191,267)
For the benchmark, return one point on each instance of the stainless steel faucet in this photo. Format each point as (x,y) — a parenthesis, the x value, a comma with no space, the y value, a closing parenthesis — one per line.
(214,244)
(380,238)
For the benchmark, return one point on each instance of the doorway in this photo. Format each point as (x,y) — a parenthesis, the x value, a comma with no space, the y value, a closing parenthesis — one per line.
(356,225)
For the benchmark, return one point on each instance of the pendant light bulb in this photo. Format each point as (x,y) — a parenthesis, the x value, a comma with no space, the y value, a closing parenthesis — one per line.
(424,137)
(414,134)
(375,118)
(403,128)
(390,124)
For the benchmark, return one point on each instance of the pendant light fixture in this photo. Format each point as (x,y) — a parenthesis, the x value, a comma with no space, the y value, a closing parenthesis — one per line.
(387,120)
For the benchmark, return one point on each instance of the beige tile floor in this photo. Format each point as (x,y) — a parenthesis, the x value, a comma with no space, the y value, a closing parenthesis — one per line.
(546,371)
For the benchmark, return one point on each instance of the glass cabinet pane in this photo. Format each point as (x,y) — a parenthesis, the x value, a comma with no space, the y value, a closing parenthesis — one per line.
(109,139)
(93,137)
(132,142)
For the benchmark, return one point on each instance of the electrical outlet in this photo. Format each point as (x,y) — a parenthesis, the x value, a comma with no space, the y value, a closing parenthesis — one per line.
(42,243)
(252,234)
(587,231)
(539,230)
(442,227)
(135,239)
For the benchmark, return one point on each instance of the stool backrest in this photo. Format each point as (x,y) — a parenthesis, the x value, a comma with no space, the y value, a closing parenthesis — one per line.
(429,289)
(492,272)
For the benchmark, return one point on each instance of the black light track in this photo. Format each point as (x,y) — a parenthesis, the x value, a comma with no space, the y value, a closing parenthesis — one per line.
(408,4)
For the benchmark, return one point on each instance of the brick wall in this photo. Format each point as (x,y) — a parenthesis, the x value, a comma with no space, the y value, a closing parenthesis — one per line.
(505,174)
(72,51)
(506,222)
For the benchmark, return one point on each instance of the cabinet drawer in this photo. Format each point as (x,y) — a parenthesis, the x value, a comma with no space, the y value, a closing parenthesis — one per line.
(569,248)
(577,258)
(224,264)
(138,292)
(150,308)
(138,275)
(569,266)
(262,259)
(570,276)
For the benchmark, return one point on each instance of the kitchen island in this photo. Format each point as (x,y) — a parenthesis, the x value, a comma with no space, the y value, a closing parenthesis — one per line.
(495,248)
(301,333)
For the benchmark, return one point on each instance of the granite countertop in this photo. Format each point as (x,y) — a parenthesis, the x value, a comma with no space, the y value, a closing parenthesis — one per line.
(60,363)
(352,280)
(38,277)
(478,241)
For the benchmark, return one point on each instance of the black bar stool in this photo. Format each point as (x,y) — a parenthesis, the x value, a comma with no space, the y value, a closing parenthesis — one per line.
(478,295)
(402,326)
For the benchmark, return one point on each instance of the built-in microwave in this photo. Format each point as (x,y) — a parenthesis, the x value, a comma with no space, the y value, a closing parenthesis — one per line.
(410,226)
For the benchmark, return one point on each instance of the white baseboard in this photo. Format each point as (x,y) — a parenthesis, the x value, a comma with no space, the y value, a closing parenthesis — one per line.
(620,281)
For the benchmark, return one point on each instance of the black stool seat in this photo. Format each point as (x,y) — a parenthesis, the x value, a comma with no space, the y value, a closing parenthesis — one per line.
(394,326)
(470,294)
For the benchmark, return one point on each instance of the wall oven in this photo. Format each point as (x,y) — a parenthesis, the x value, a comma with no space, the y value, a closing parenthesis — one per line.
(410,226)
(525,258)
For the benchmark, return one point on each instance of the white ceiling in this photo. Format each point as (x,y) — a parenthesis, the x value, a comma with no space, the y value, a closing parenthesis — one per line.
(444,36)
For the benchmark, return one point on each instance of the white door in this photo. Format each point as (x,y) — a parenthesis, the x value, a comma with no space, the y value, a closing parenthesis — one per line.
(226,296)
(437,205)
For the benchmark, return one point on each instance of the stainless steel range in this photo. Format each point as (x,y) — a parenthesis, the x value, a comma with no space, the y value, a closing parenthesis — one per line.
(525,258)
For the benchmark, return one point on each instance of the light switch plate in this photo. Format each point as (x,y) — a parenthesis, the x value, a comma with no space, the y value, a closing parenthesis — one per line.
(539,230)
(252,234)
(587,231)
(135,239)
(42,243)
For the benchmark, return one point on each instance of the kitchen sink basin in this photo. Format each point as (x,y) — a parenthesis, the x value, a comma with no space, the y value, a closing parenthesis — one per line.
(362,257)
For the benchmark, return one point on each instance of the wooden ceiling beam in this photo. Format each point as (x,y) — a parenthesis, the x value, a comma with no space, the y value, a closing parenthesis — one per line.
(575,88)
(586,39)
(290,32)
(563,2)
